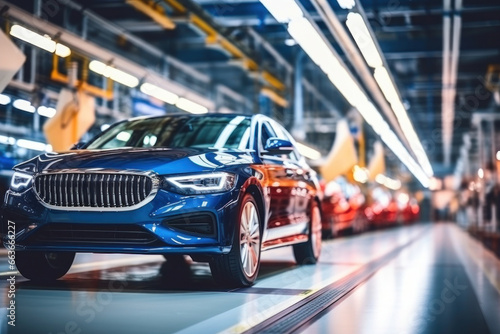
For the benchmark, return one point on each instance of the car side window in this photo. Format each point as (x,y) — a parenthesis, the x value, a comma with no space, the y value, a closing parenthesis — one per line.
(283,134)
(266,133)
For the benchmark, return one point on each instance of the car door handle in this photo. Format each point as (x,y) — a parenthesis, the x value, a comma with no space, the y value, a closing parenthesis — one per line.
(289,172)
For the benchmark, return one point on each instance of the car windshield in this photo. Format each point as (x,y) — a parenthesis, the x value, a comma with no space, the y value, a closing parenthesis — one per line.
(178,131)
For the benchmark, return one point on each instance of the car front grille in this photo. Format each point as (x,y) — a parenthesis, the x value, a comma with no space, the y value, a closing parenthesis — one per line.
(93,190)
(105,234)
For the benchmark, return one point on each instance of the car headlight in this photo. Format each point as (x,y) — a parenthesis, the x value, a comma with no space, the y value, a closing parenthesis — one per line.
(20,181)
(208,183)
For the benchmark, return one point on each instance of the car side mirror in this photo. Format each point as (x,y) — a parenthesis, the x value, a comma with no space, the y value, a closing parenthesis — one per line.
(278,146)
(78,145)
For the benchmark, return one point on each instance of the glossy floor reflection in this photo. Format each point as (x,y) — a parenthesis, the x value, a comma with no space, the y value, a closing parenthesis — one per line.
(442,281)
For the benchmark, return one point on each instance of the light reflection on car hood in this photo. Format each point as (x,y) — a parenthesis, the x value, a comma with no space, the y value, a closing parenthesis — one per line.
(160,160)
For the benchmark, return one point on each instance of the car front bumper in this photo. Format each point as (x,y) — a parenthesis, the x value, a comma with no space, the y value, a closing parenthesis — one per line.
(169,224)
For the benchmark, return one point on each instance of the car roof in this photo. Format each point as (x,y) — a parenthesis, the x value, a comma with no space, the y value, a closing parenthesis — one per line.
(192,115)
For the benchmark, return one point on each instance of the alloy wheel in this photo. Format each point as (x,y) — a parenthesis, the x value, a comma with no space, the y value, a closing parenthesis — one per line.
(249,239)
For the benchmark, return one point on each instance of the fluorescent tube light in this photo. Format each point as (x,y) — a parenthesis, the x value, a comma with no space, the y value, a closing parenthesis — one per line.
(413,139)
(159,93)
(43,42)
(46,111)
(62,50)
(113,73)
(346,4)
(24,105)
(385,83)
(191,106)
(33,145)
(4,99)
(363,39)
(388,182)
(311,42)
(372,117)
(347,86)
(316,48)
(7,140)
(283,11)
(308,152)
(366,44)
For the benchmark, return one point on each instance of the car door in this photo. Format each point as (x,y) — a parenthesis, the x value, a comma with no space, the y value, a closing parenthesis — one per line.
(300,176)
(280,186)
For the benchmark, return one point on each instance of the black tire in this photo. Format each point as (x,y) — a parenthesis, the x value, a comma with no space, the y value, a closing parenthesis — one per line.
(230,269)
(174,257)
(44,266)
(329,233)
(308,252)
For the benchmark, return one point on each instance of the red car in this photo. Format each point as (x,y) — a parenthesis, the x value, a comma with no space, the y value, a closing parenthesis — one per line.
(409,210)
(382,209)
(342,208)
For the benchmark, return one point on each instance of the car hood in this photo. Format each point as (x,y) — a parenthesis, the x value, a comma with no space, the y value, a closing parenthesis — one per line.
(160,160)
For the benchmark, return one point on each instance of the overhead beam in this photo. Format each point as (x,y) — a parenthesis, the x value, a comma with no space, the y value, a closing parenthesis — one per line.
(439,54)
(229,20)
(153,11)
(451,51)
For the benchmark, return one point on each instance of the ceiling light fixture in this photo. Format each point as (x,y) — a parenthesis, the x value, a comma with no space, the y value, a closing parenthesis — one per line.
(359,31)
(33,145)
(363,39)
(388,182)
(43,42)
(159,93)
(46,111)
(7,140)
(283,11)
(346,4)
(113,73)
(190,106)
(4,99)
(23,105)
(385,83)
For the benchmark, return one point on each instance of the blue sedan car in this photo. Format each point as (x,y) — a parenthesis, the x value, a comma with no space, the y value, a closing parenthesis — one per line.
(219,188)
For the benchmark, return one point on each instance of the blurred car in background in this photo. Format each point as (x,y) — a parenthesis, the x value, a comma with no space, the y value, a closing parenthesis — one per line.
(409,210)
(342,206)
(382,209)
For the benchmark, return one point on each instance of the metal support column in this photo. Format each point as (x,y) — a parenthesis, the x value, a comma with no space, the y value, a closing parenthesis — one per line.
(33,71)
(480,220)
(298,104)
(494,172)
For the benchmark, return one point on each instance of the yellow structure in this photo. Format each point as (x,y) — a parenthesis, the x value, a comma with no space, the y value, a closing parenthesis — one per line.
(377,162)
(342,156)
(75,114)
